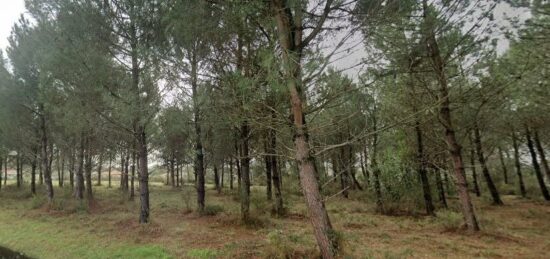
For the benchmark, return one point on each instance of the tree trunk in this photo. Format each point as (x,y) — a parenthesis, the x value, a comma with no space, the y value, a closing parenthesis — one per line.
(421,164)
(110,167)
(178,177)
(375,169)
(199,155)
(440,189)
(122,163)
(45,156)
(172,171)
(517,164)
(473,166)
(33,170)
(543,160)
(72,163)
(6,171)
(268,170)
(143,176)
(58,165)
(133,169)
(231,173)
(127,171)
(223,173)
(88,171)
(1,161)
(245,173)
(484,169)
(79,176)
(278,206)
(17,165)
(503,165)
(455,150)
(217,180)
(99,167)
(536,166)
(290,41)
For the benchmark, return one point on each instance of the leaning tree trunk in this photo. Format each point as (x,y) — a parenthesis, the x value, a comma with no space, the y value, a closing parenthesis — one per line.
(484,169)
(517,164)
(543,160)
(290,40)
(455,150)
(536,165)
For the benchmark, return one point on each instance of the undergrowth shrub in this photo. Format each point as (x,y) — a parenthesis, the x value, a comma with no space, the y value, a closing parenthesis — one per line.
(212,210)
(449,220)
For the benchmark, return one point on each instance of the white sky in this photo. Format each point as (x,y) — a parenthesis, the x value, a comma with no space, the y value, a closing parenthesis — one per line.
(10,11)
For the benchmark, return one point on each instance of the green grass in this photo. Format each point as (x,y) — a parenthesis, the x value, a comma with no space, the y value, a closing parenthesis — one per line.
(109,229)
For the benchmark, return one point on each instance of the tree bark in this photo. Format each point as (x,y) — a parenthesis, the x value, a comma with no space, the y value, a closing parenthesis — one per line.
(421,164)
(110,167)
(88,171)
(217,180)
(474,173)
(268,169)
(290,40)
(199,155)
(143,176)
(79,176)
(440,189)
(99,167)
(536,165)
(33,169)
(245,173)
(231,173)
(517,164)
(278,206)
(543,160)
(484,169)
(133,169)
(503,165)
(45,156)
(6,171)
(455,150)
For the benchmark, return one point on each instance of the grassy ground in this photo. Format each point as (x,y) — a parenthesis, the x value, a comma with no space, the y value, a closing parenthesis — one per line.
(109,228)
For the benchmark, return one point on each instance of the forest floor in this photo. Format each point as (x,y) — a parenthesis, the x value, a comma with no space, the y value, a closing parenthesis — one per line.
(109,228)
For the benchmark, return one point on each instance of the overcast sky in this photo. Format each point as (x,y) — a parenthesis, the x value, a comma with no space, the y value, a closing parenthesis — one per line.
(10,11)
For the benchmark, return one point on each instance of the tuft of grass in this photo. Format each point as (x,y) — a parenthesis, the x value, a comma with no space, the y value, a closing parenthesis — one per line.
(202,253)
(147,251)
(449,220)
(212,210)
